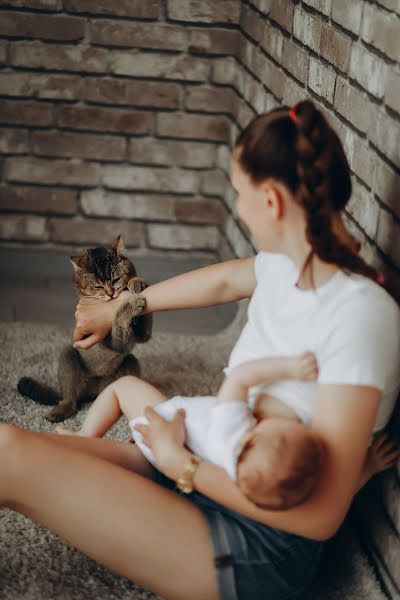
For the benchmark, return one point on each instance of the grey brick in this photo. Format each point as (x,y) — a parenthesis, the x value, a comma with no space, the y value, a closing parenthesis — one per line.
(323,6)
(368,70)
(36,85)
(382,30)
(201,127)
(348,14)
(23,228)
(209,99)
(206,11)
(295,60)
(387,185)
(388,236)
(170,152)
(103,203)
(392,92)
(335,47)
(96,231)
(352,104)
(384,133)
(183,236)
(13,141)
(187,68)
(137,35)
(52,172)
(151,178)
(307,28)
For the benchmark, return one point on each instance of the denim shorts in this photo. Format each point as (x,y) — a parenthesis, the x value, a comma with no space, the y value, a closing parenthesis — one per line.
(254,561)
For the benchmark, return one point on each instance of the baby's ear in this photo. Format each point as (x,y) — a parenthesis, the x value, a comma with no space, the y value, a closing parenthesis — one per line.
(118,245)
(75,262)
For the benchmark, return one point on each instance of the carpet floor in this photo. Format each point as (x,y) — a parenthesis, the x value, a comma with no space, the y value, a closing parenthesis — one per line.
(35,564)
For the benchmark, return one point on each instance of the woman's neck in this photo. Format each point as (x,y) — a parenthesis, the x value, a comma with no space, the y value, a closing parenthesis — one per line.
(320,271)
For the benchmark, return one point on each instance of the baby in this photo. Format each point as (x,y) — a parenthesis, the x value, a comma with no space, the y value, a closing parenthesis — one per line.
(273,457)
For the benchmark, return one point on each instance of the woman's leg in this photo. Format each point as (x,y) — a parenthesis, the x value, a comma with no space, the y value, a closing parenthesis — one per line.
(119,453)
(127,395)
(136,528)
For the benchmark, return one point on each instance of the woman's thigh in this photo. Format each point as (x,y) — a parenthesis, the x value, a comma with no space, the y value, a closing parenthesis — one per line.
(124,454)
(130,524)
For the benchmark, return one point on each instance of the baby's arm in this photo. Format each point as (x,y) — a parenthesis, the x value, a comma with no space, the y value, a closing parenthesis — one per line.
(266,370)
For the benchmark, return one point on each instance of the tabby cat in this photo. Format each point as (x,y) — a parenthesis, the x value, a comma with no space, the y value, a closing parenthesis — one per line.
(82,374)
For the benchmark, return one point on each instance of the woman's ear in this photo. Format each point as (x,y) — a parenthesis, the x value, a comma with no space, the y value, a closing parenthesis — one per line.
(273,198)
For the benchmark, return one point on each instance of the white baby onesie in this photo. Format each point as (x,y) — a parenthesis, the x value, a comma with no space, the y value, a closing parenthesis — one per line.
(213,431)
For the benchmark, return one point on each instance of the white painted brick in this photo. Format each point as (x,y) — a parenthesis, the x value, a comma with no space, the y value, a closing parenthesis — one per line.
(364,209)
(323,6)
(102,203)
(382,30)
(388,236)
(322,80)
(368,70)
(238,241)
(348,14)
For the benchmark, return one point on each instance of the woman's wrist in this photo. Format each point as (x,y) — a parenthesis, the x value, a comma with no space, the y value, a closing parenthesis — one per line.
(174,462)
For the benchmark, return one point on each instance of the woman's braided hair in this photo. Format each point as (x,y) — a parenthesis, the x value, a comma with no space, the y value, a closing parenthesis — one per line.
(299,148)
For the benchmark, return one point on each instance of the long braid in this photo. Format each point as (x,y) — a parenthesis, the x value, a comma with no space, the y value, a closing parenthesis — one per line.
(315,143)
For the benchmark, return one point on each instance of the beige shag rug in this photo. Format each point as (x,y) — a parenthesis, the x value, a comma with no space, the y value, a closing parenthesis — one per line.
(37,565)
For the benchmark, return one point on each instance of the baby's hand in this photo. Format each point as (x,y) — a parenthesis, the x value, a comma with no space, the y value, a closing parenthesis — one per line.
(305,366)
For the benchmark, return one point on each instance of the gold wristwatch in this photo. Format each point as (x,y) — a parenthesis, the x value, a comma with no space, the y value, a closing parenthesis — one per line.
(185,480)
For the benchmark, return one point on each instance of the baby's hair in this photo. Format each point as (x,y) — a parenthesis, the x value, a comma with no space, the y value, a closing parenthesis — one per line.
(298,147)
(277,484)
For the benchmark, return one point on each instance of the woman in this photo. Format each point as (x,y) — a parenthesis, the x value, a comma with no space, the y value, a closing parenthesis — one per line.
(292,180)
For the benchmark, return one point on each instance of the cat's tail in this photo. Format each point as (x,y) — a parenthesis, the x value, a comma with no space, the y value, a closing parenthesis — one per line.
(43,394)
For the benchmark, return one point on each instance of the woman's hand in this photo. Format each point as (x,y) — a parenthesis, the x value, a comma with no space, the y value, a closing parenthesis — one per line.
(94,320)
(166,439)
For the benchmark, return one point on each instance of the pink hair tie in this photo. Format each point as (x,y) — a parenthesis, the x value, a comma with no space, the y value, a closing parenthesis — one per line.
(292,114)
(380,278)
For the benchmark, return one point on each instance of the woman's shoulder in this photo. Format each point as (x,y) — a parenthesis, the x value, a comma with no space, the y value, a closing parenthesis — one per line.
(363,298)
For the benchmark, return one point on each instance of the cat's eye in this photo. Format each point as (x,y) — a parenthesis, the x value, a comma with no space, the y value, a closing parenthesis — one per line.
(98,287)
(116,280)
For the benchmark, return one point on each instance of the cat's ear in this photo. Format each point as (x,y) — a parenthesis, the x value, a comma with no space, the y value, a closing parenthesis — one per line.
(74,261)
(118,245)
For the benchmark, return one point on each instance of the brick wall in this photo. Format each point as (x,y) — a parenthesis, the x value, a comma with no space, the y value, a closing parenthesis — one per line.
(111,122)
(119,116)
(345,56)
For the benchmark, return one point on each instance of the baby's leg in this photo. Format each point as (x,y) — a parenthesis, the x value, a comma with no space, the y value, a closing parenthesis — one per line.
(128,395)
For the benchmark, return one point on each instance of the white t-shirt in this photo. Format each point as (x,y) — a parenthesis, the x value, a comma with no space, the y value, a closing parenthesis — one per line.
(213,431)
(351,324)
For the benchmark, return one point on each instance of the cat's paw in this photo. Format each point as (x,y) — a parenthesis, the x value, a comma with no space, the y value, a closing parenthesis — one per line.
(137,304)
(60,413)
(137,285)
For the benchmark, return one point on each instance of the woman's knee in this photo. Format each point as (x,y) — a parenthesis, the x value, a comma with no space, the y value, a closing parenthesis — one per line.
(12,455)
(10,436)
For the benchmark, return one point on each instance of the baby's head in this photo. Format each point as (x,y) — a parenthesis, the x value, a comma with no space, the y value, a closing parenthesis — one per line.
(279,463)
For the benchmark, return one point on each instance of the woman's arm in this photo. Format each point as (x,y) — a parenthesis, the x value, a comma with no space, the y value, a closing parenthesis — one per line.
(344,416)
(219,283)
